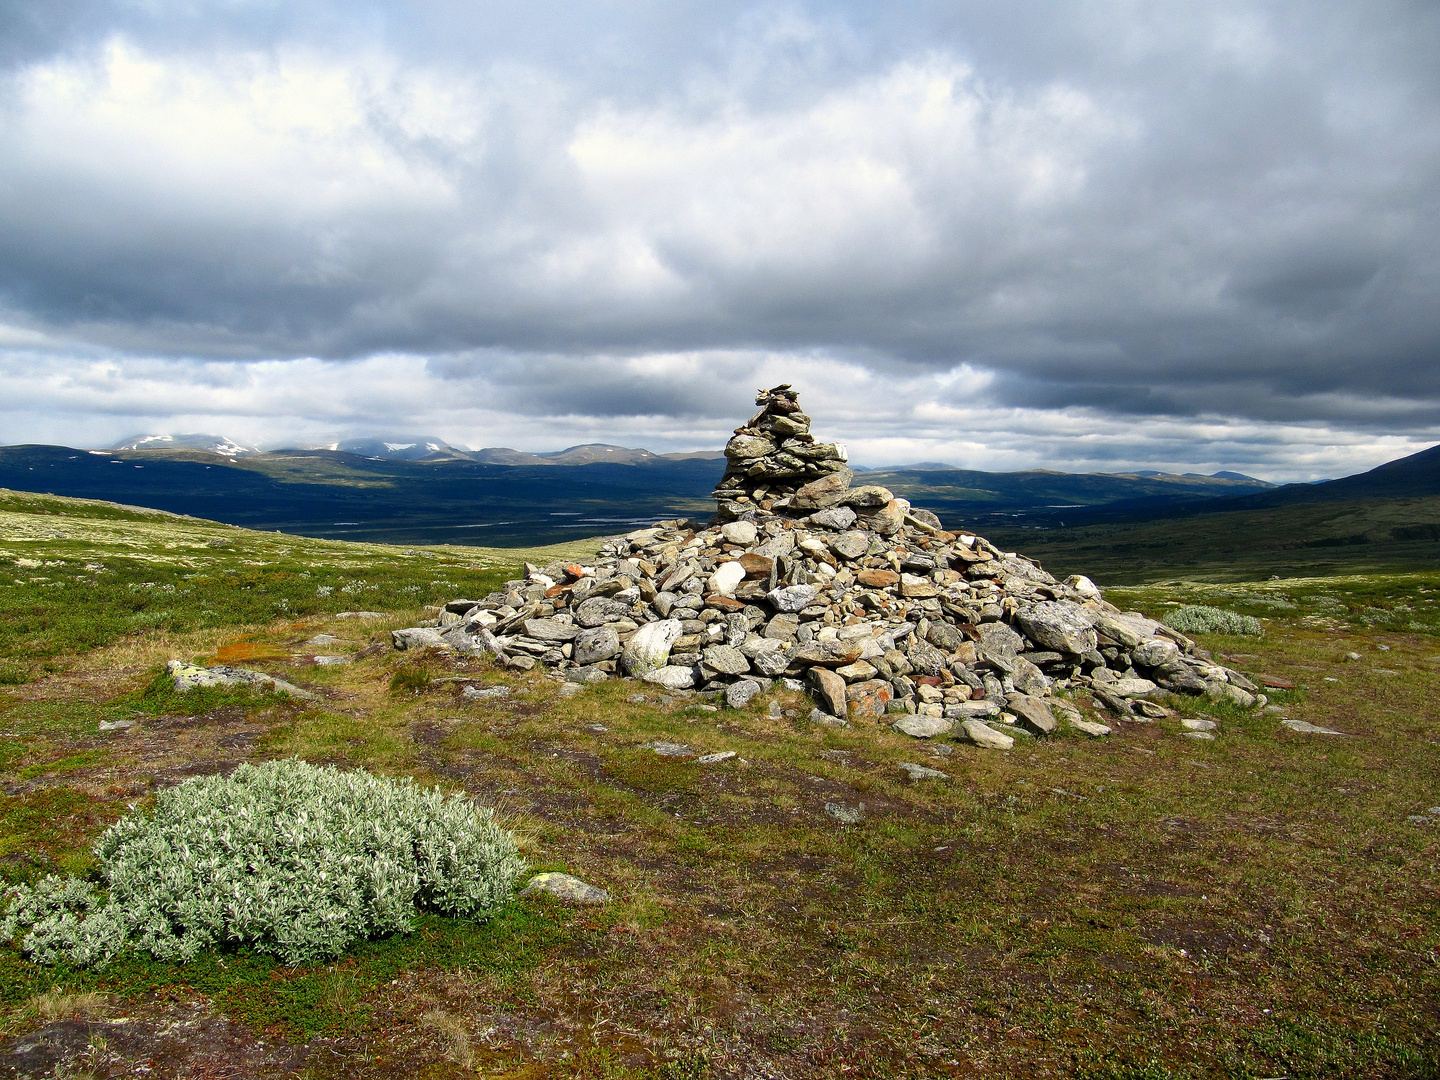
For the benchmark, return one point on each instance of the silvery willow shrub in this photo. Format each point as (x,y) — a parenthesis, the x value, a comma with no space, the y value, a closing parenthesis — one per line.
(287,858)
(1199,619)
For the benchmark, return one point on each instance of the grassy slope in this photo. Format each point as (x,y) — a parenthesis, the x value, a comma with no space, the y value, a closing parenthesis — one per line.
(76,575)
(1142,906)
(1307,540)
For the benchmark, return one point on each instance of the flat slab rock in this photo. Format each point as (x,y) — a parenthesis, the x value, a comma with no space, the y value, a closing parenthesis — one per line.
(193,676)
(670,749)
(923,727)
(1305,728)
(982,734)
(567,888)
(922,772)
(1089,727)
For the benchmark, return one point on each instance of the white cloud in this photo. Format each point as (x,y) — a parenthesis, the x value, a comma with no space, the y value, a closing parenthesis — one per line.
(884,420)
(1114,234)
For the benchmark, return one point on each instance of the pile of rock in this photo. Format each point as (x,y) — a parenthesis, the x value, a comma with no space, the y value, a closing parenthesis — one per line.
(847,590)
(773,458)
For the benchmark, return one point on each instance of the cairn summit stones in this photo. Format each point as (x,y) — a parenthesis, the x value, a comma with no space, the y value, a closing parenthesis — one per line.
(866,599)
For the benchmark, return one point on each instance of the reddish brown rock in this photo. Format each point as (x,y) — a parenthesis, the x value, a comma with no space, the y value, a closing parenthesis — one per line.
(757,566)
(826,653)
(877,579)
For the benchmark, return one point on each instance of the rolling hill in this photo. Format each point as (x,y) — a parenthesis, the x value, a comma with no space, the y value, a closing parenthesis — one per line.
(424,491)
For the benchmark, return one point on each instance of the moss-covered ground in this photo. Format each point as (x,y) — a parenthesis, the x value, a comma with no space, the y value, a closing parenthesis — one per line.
(1263,904)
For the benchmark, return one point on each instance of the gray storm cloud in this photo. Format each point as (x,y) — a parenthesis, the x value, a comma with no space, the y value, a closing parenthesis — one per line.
(1218,222)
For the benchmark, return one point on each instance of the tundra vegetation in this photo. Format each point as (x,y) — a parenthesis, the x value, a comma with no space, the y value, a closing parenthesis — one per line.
(1149,904)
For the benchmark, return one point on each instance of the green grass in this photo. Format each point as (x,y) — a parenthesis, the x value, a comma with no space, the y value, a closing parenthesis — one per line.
(78,575)
(1380,536)
(1398,603)
(326,999)
(1142,906)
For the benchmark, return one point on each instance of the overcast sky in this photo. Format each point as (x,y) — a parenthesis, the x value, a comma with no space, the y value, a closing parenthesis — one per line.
(1077,234)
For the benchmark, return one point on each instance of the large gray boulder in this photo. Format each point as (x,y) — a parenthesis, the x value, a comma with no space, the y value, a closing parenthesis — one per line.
(599,610)
(594,645)
(824,493)
(649,648)
(1034,715)
(414,637)
(1056,625)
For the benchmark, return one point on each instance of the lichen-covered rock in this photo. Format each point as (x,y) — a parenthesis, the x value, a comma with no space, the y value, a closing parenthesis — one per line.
(593,646)
(1062,627)
(193,676)
(565,887)
(650,647)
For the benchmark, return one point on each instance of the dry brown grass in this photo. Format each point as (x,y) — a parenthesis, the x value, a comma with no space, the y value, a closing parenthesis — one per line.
(58,1005)
(454,1033)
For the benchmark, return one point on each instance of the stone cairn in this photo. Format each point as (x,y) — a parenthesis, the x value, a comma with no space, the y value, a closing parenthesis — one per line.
(848,591)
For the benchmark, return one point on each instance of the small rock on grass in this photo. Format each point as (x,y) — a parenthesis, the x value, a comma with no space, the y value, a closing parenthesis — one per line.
(570,689)
(190,676)
(1089,727)
(331,661)
(485,693)
(565,887)
(715,758)
(846,815)
(670,749)
(920,772)
(116,725)
(1309,729)
(1204,736)
(820,716)
(321,640)
(1192,724)
(982,734)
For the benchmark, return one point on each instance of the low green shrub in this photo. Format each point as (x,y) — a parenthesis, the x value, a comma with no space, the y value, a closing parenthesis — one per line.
(290,859)
(1200,619)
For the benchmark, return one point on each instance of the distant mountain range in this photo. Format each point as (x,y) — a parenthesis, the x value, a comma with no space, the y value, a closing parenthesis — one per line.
(425,491)
(427,448)
(216,444)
